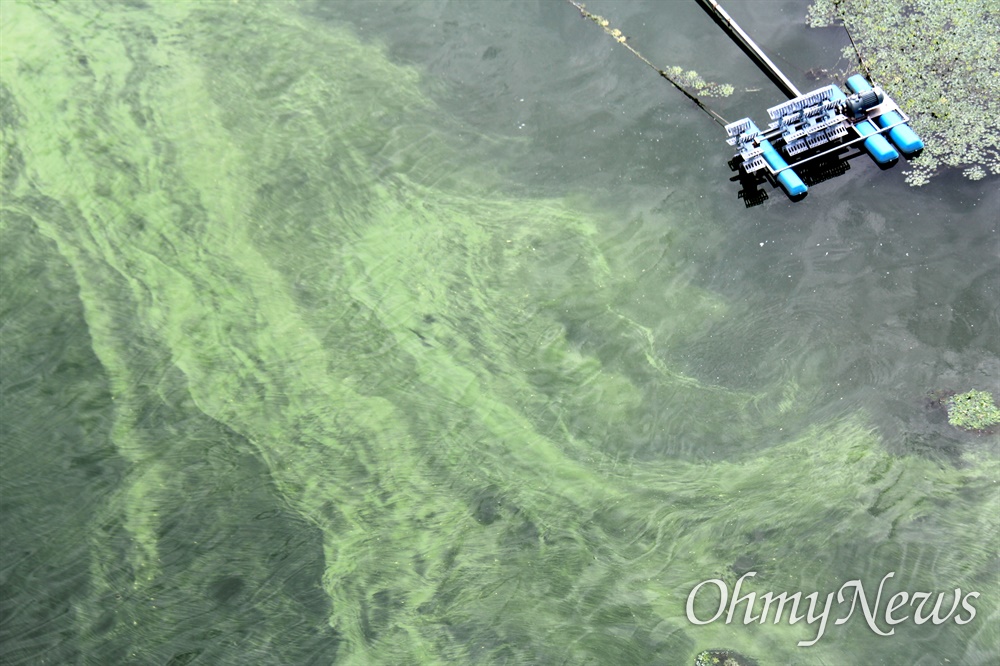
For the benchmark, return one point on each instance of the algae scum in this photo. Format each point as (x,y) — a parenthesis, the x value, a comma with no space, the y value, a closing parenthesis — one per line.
(283,384)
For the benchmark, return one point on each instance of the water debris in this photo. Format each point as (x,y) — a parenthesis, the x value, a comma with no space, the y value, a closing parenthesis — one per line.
(689,82)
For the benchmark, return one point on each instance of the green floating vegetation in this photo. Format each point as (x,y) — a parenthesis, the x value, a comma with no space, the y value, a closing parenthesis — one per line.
(692,79)
(974,410)
(937,59)
(722,658)
(327,335)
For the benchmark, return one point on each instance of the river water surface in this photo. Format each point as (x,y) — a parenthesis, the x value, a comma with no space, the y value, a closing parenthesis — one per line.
(435,332)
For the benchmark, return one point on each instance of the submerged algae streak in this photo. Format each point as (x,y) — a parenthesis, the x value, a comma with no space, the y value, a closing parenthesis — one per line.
(304,300)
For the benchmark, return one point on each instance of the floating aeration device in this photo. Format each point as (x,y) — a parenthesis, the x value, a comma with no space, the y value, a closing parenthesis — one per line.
(815,124)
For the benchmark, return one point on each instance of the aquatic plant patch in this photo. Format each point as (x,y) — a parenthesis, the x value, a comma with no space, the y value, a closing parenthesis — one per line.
(937,58)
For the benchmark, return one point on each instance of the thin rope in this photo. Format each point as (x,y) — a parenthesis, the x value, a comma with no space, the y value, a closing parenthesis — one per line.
(857,51)
(621,39)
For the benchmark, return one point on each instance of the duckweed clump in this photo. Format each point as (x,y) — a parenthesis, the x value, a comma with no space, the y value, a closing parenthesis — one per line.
(936,59)
(722,658)
(974,410)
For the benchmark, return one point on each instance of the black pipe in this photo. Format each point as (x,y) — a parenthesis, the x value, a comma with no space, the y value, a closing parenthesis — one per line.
(743,40)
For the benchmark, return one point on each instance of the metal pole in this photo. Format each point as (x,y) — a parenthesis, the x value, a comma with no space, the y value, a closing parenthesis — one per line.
(743,40)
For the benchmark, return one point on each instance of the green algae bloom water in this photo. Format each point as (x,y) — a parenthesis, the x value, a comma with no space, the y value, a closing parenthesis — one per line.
(305,363)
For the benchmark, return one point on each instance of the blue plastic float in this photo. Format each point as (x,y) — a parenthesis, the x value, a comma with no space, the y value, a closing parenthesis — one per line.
(905,138)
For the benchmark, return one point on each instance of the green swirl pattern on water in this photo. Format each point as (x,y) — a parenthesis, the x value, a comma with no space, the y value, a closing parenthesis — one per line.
(310,328)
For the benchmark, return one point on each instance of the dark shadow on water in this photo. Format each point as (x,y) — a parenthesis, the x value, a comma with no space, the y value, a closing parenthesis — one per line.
(754,186)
